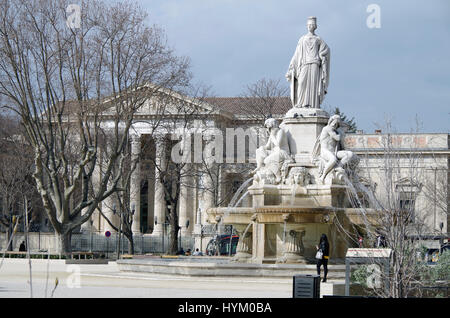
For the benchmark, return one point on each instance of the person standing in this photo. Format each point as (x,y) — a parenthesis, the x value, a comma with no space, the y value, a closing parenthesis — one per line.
(360,242)
(22,247)
(323,246)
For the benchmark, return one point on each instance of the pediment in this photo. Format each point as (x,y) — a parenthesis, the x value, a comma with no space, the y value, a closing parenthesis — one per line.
(171,103)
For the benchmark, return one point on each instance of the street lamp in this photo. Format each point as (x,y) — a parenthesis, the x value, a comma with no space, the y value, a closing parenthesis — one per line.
(119,230)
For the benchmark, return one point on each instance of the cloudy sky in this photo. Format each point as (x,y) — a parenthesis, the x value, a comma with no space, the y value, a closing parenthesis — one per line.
(400,71)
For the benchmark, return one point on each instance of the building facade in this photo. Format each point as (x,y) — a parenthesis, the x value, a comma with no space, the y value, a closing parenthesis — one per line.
(421,179)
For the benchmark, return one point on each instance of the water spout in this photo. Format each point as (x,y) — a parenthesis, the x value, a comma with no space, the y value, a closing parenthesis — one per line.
(246,229)
(242,198)
(238,192)
(353,189)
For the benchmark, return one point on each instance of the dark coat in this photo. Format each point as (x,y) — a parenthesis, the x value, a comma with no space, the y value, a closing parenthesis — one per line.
(325,247)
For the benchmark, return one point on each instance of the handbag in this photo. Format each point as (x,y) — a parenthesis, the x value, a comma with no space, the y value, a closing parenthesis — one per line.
(319,254)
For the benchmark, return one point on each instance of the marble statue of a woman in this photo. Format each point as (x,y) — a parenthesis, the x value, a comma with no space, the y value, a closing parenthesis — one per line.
(309,69)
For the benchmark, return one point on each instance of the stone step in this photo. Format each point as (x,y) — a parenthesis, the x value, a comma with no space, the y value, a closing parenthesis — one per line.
(215,267)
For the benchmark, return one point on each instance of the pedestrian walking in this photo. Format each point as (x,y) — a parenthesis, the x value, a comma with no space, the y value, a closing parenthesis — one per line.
(323,255)
(380,241)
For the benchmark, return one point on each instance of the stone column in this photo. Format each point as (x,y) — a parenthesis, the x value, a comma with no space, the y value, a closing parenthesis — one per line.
(96,219)
(160,203)
(135,184)
(107,209)
(151,197)
(198,235)
(86,226)
(186,200)
(293,247)
(207,196)
(108,203)
(244,247)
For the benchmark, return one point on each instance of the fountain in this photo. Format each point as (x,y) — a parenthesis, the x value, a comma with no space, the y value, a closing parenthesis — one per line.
(304,184)
(303,174)
(293,200)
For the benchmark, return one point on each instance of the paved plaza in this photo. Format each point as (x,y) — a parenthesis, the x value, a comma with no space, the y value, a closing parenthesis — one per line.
(107,281)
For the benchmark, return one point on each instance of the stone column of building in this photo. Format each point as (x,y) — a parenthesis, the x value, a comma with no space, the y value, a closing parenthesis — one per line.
(186,200)
(86,226)
(108,211)
(207,196)
(135,184)
(209,188)
(160,204)
(107,205)
(96,178)
(151,196)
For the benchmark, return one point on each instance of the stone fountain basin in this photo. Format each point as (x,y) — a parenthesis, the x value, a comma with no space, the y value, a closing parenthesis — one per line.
(218,266)
(310,195)
(291,214)
(272,214)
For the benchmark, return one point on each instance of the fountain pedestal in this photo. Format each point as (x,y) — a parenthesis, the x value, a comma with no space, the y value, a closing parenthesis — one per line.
(303,126)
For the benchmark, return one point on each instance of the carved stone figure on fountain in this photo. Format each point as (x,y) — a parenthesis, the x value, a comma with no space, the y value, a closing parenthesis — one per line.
(309,69)
(331,154)
(273,157)
(298,176)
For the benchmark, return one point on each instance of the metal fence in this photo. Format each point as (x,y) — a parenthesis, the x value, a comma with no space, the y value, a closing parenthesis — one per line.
(142,243)
(96,242)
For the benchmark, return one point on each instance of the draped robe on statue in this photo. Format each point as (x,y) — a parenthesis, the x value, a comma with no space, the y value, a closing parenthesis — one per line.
(309,72)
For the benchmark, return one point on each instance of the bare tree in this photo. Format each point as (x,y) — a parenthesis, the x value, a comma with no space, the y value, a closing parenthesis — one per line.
(76,90)
(436,190)
(16,169)
(264,99)
(389,199)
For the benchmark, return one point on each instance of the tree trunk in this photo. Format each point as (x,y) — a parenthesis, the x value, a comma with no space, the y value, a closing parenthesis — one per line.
(173,241)
(10,233)
(130,244)
(65,244)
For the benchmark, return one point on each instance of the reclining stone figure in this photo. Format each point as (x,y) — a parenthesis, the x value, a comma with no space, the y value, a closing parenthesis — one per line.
(272,158)
(330,149)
